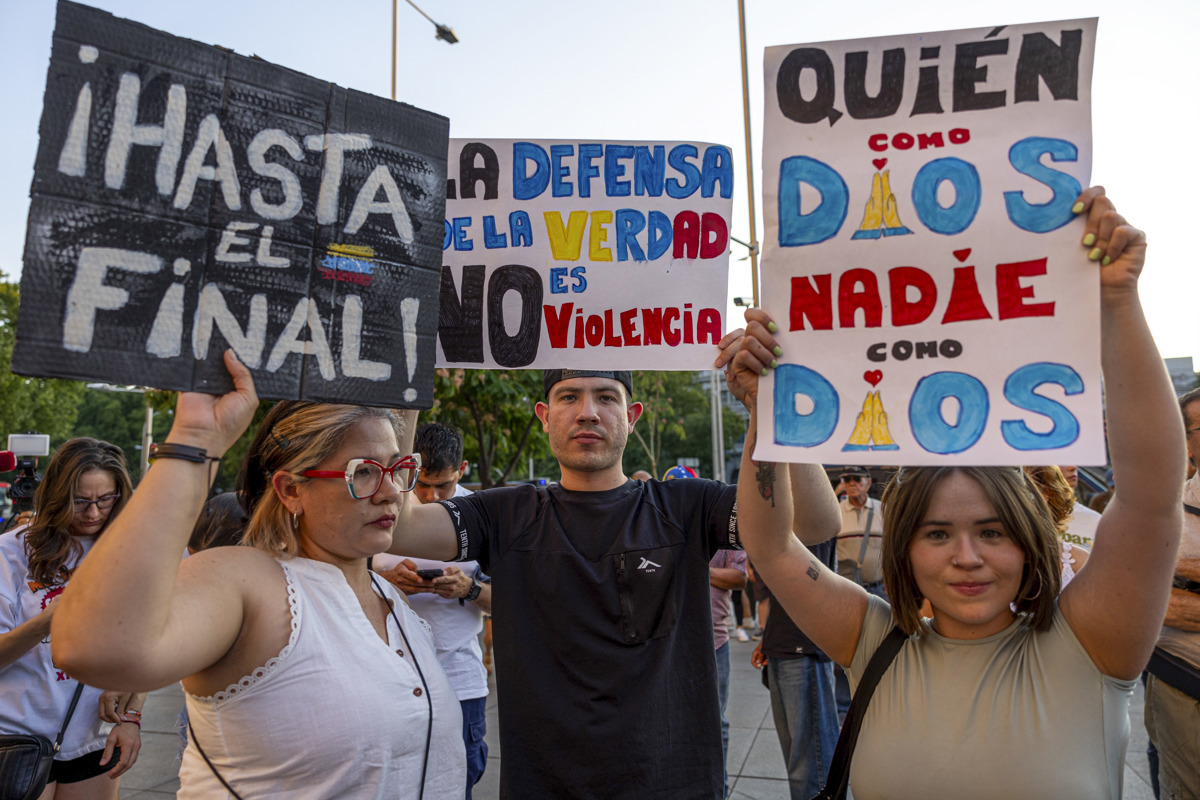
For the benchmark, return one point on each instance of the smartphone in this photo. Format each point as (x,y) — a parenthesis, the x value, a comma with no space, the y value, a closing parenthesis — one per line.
(430,574)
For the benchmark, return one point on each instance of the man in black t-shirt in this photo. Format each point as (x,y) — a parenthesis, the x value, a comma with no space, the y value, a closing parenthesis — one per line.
(606,682)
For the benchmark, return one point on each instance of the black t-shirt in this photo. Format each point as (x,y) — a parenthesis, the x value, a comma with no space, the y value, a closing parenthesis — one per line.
(606,681)
(781,638)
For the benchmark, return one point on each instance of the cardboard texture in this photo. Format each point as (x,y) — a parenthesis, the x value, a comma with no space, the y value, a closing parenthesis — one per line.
(187,199)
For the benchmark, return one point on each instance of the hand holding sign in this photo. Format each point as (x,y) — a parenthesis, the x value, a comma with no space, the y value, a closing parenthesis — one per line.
(214,422)
(1118,246)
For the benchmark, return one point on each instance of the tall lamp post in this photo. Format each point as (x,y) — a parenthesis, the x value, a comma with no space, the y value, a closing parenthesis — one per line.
(444,32)
(753,245)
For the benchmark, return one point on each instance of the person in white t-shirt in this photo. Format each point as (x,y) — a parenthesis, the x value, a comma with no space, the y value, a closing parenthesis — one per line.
(1081,527)
(453,603)
(85,487)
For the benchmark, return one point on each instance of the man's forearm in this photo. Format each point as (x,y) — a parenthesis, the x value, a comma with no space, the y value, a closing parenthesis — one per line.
(816,516)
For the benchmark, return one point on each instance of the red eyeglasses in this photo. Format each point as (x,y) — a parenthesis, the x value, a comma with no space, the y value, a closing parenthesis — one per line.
(364,477)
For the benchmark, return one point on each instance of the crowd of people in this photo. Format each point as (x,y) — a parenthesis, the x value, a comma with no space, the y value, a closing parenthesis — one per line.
(335,653)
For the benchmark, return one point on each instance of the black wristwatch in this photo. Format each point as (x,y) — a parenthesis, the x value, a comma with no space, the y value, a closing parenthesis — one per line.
(473,592)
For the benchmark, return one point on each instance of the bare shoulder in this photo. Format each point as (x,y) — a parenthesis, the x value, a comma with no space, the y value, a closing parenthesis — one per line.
(227,567)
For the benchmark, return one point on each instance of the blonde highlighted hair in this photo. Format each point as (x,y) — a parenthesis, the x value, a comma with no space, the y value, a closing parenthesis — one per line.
(1058,494)
(1023,512)
(294,436)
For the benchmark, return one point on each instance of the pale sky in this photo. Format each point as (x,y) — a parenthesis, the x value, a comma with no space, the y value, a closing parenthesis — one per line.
(664,69)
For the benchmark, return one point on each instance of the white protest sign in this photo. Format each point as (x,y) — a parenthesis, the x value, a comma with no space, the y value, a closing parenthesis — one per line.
(584,254)
(921,256)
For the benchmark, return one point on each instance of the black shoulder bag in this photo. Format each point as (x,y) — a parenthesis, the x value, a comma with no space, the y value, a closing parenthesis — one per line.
(26,758)
(839,771)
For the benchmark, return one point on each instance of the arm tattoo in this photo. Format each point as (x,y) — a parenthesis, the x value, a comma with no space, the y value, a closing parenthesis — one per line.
(812,571)
(765,475)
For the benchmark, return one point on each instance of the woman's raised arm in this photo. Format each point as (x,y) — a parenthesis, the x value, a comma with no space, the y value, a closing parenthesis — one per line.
(125,622)
(1116,605)
(828,608)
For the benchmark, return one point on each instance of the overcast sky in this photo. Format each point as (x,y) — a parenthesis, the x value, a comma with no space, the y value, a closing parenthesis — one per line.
(666,69)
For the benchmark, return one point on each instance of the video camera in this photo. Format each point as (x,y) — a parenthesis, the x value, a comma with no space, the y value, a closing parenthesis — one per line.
(24,449)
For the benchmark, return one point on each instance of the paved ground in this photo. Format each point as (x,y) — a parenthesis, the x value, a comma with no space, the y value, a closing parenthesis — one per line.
(756,769)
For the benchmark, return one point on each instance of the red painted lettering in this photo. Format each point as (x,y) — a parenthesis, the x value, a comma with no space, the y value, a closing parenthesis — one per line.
(812,301)
(965,301)
(904,311)
(558,323)
(686,232)
(850,299)
(1010,294)
(628,331)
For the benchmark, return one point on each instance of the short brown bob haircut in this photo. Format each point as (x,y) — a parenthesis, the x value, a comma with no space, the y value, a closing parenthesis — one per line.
(1022,511)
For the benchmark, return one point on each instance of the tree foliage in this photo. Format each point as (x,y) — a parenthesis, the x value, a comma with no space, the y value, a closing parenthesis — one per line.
(676,423)
(44,405)
(494,411)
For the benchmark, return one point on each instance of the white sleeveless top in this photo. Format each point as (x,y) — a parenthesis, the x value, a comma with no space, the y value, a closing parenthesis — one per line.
(337,714)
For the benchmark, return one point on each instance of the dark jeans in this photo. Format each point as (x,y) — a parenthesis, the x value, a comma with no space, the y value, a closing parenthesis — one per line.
(805,720)
(474,729)
(723,695)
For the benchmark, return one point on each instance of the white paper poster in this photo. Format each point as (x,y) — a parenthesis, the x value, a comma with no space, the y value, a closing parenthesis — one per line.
(921,256)
(585,254)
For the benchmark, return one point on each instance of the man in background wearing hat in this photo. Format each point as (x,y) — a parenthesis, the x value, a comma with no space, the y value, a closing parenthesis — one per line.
(606,680)
(860,543)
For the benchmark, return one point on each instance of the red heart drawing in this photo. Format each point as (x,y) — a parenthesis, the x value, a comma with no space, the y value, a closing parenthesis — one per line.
(880,163)
(873,376)
(962,255)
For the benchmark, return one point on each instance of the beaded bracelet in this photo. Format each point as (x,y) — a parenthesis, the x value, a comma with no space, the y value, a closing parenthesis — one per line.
(183,452)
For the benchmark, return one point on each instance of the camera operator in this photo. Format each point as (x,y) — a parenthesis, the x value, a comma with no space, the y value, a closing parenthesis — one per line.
(86,486)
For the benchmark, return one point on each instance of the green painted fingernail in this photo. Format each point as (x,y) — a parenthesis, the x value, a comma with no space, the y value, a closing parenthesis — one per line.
(778,351)
(774,363)
(1094,255)
(1075,209)
(764,372)
(772,327)
(1104,262)
(1089,240)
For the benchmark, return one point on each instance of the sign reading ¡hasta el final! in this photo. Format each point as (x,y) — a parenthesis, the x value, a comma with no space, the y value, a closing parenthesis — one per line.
(187,199)
(921,256)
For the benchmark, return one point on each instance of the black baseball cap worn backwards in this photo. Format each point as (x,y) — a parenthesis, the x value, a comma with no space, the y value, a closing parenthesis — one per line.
(553,376)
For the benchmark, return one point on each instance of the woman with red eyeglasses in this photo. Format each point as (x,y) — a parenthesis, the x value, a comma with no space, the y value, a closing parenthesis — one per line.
(84,489)
(303,675)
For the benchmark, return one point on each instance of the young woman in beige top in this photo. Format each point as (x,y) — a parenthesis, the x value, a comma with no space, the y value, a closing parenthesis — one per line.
(981,698)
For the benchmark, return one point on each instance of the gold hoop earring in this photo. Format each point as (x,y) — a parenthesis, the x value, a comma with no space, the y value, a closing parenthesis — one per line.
(295,522)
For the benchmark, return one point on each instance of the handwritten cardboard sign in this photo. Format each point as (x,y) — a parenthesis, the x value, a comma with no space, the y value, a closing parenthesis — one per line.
(584,254)
(921,255)
(187,199)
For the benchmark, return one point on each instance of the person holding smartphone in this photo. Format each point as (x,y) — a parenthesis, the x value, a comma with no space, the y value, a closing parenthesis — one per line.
(451,597)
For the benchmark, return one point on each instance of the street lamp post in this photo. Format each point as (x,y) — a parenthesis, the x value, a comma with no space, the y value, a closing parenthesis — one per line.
(444,32)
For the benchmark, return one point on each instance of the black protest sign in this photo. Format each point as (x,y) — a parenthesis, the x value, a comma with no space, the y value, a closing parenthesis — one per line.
(187,199)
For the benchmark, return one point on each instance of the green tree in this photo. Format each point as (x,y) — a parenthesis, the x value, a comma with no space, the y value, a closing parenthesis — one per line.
(494,410)
(45,405)
(666,398)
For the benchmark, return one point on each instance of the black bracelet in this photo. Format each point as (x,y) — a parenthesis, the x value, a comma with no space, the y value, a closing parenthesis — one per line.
(183,452)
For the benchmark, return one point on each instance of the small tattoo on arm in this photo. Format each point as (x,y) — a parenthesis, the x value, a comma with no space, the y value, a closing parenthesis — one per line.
(812,571)
(765,475)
